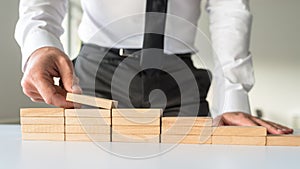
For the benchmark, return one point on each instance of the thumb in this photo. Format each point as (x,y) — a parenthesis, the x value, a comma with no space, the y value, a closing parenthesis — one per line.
(75,87)
(67,74)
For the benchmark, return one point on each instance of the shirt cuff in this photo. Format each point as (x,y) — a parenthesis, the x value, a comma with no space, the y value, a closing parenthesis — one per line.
(36,40)
(236,101)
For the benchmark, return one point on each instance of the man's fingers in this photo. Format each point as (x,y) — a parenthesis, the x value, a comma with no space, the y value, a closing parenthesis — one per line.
(30,90)
(45,87)
(66,72)
(273,128)
(37,100)
(284,129)
(65,103)
(37,82)
(52,94)
(270,128)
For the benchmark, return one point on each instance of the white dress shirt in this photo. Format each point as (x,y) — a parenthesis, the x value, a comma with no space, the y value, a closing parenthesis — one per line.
(120,24)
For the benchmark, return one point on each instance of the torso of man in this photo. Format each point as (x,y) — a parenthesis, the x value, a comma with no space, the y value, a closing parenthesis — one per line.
(120,24)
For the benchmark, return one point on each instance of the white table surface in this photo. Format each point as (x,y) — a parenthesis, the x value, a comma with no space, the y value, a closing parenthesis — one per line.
(15,153)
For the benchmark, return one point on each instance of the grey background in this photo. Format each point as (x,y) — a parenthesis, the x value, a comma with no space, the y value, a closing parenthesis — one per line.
(275,46)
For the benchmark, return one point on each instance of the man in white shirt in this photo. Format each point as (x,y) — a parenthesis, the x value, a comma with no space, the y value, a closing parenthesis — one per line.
(39,28)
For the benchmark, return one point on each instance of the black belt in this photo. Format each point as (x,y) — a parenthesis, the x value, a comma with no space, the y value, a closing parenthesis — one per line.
(137,52)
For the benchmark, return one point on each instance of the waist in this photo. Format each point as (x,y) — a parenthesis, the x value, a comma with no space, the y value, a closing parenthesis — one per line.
(128,52)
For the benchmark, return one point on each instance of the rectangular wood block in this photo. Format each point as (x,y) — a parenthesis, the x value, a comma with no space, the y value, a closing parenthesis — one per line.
(42,120)
(239,131)
(192,130)
(97,113)
(40,128)
(105,129)
(88,137)
(186,139)
(137,113)
(87,121)
(283,140)
(186,121)
(239,140)
(42,112)
(116,137)
(135,129)
(44,136)
(92,101)
(147,121)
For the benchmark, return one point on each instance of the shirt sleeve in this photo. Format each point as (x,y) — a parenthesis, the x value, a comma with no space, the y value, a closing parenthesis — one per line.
(39,25)
(230,26)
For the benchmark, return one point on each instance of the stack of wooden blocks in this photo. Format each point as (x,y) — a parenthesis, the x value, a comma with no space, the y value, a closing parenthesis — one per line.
(108,123)
(136,125)
(186,130)
(42,124)
(87,125)
(239,135)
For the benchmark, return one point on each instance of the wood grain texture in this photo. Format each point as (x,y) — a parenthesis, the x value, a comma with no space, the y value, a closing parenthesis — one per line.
(136,129)
(186,121)
(42,112)
(43,128)
(88,137)
(116,137)
(181,130)
(239,131)
(186,139)
(92,101)
(239,140)
(149,121)
(42,120)
(283,140)
(87,121)
(97,113)
(87,129)
(44,136)
(137,113)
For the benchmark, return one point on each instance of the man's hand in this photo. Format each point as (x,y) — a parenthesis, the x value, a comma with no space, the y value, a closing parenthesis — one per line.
(38,84)
(243,119)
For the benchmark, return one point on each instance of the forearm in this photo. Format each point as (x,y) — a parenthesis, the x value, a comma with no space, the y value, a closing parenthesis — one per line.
(39,25)
(230,26)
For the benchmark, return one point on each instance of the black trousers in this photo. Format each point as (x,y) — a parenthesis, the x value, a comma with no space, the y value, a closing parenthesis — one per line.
(177,87)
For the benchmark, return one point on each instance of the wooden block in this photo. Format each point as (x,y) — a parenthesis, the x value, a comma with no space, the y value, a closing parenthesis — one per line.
(84,121)
(187,130)
(88,137)
(239,140)
(42,120)
(186,121)
(92,101)
(32,128)
(44,136)
(116,137)
(105,129)
(42,112)
(136,129)
(239,131)
(97,113)
(147,121)
(186,139)
(283,140)
(137,113)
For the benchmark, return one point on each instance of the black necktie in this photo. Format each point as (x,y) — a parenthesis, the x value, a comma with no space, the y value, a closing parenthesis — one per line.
(155,21)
